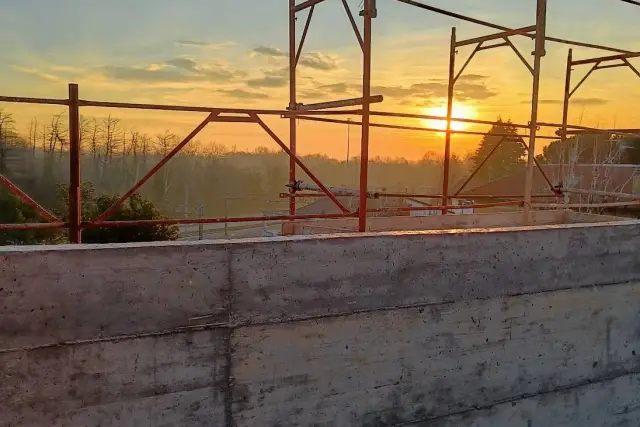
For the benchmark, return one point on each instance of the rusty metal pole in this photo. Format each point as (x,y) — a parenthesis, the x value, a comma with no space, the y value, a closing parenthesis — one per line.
(565,116)
(292,103)
(369,12)
(447,142)
(75,216)
(539,52)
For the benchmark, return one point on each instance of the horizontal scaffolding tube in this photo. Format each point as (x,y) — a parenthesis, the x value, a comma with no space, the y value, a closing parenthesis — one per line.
(604,193)
(33,226)
(222,110)
(426,196)
(338,104)
(414,128)
(153,222)
(502,28)
(23,100)
(518,31)
(444,118)
(306,4)
(584,205)
(447,207)
(605,58)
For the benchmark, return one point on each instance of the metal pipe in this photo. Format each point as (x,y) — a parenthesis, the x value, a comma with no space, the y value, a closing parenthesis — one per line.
(338,191)
(447,140)
(519,55)
(304,33)
(75,210)
(367,13)
(606,58)
(604,193)
(33,226)
(24,197)
(338,104)
(414,128)
(423,196)
(299,162)
(539,167)
(293,62)
(448,207)
(630,65)
(443,118)
(477,169)
(466,63)
(586,76)
(113,208)
(305,4)
(221,110)
(502,28)
(501,35)
(353,24)
(156,222)
(25,100)
(539,52)
(585,205)
(493,46)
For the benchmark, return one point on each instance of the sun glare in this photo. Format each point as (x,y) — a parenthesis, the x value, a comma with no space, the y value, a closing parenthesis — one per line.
(459,111)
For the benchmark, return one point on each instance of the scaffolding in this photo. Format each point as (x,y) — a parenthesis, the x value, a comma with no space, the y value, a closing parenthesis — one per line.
(323,112)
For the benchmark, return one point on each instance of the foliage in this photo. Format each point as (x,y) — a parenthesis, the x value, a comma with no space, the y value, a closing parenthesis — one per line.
(135,208)
(507,159)
(582,149)
(14,211)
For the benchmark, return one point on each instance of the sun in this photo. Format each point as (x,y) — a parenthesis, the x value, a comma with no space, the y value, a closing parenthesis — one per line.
(462,111)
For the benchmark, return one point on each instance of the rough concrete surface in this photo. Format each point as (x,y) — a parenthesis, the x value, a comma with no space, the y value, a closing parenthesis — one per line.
(164,380)
(408,364)
(473,328)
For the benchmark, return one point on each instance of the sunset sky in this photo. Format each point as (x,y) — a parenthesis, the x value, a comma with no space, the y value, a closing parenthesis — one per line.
(234,53)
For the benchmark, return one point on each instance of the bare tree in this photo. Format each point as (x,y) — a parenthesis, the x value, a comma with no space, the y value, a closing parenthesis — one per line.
(33,135)
(164,144)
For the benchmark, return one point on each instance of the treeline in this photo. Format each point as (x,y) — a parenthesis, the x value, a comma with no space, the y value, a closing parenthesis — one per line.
(209,178)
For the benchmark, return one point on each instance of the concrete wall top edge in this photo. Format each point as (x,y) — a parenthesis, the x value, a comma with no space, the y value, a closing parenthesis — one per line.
(239,243)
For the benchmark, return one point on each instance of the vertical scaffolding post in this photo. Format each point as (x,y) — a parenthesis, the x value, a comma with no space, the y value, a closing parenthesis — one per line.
(369,12)
(447,143)
(292,103)
(75,217)
(565,113)
(539,52)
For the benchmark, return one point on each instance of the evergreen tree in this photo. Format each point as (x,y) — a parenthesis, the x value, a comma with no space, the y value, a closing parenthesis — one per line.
(506,160)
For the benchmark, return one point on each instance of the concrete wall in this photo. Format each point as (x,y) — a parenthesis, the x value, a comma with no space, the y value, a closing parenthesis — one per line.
(509,327)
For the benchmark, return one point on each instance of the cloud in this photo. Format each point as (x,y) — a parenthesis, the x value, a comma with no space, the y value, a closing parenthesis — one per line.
(576,101)
(36,73)
(211,45)
(176,70)
(269,51)
(543,101)
(335,88)
(312,94)
(433,89)
(184,63)
(243,94)
(589,101)
(314,60)
(267,82)
(473,77)
(318,61)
